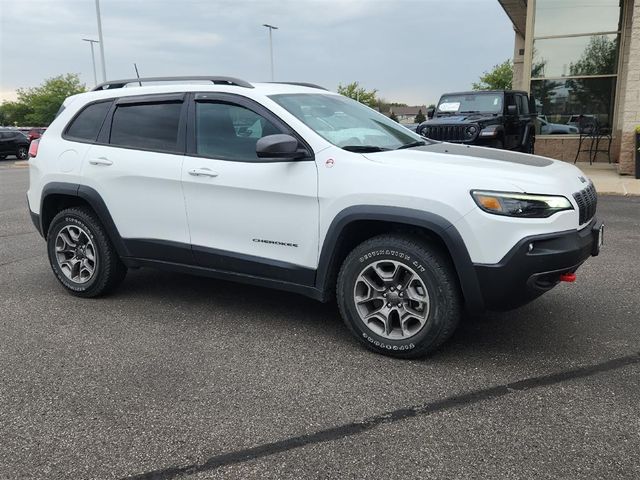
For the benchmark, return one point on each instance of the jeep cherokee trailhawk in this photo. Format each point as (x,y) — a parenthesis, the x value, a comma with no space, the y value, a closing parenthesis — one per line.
(293,187)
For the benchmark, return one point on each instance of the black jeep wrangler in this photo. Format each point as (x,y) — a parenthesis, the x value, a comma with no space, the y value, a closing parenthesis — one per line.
(493,118)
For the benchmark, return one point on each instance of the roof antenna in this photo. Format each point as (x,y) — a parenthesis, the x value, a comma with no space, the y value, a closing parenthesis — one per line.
(137,74)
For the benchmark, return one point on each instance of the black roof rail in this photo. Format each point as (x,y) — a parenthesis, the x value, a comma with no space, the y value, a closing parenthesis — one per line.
(302,84)
(216,80)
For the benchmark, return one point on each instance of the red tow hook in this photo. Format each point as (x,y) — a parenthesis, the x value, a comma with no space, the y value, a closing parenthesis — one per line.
(568,277)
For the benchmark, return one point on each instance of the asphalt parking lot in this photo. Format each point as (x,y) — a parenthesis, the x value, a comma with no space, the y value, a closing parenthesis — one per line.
(176,376)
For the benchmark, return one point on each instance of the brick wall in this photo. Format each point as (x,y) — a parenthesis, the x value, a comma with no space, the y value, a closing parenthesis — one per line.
(629,89)
(561,148)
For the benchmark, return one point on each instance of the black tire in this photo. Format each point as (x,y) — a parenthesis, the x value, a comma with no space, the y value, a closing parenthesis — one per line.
(529,147)
(22,153)
(109,271)
(2,157)
(499,144)
(434,269)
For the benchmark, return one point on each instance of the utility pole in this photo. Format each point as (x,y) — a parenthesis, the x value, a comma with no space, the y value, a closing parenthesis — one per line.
(93,59)
(271,29)
(104,68)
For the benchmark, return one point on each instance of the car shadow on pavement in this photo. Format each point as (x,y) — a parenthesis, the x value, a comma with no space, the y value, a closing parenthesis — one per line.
(528,330)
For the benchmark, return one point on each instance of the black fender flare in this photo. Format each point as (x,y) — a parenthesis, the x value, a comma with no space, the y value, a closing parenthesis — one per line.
(528,128)
(436,224)
(95,201)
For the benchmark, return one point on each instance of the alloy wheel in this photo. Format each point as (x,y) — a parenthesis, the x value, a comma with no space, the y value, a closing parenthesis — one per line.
(76,254)
(391,299)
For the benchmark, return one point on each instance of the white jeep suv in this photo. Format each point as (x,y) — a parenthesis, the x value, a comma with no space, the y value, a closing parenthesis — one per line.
(293,187)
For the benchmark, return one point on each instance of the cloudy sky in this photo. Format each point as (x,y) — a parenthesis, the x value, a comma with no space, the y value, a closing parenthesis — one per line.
(410,50)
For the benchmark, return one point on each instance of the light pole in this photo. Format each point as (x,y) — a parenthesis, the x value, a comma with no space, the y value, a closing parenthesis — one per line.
(101,40)
(271,29)
(93,58)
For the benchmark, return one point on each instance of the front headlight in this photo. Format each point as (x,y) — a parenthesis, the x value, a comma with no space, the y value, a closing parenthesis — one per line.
(520,204)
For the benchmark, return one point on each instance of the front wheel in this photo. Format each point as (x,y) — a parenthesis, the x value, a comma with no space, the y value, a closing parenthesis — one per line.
(22,153)
(399,295)
(81,254)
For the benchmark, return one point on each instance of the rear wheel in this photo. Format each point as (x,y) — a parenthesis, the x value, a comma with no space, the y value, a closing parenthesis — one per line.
(529,146)
(498,143)
(22,153)
(399,295)
(81,254)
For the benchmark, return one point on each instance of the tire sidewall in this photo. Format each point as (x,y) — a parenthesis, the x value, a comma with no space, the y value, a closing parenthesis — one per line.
(26,153)
(58,223)
(424,268)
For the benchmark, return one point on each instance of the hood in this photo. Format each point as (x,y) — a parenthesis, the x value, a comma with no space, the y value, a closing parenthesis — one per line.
(468,118)
(488,168)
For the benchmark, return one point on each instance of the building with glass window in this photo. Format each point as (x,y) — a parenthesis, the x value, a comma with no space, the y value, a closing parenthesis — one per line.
(580,61)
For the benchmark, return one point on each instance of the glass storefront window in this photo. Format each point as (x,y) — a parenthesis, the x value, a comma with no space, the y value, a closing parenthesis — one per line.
(560,103)
(575,56)
(567,17)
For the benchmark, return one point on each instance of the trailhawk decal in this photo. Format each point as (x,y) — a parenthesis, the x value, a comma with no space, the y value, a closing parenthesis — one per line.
(275,242)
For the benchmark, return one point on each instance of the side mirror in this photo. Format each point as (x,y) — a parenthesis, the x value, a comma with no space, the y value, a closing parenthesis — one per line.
(512,110)
(279,146)
(431,112)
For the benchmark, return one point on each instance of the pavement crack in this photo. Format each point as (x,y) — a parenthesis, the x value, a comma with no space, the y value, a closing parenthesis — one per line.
(356,428)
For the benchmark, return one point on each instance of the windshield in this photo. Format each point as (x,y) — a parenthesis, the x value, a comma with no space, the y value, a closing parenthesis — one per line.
(346,123)
(471,103)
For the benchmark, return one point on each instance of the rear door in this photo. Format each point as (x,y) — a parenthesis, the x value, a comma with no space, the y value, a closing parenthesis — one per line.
(136,166)
(4,143)
(245,214)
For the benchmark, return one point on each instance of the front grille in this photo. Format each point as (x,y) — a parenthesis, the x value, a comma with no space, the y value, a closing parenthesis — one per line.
(587,201)
(450,133)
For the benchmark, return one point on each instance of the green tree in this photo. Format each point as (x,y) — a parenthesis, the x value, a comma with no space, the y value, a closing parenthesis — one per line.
(419,117)
(13,113)
(355,91)
(38,106)
(499,78)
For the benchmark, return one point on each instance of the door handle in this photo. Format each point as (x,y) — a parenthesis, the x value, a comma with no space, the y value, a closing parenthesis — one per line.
(203,172)
(101,161)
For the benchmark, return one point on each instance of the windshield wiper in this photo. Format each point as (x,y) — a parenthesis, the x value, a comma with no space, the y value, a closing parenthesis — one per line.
(418,143)
(364,148)
(470,111)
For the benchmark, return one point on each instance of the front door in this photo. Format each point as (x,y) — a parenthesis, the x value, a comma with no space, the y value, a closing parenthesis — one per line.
(247,215)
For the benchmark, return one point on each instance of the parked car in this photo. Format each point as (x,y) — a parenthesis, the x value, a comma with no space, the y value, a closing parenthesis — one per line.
(495,118)
(547,128)
(321,196)
(13,142)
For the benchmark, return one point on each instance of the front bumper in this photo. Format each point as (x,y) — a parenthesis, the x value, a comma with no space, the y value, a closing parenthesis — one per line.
(535,264)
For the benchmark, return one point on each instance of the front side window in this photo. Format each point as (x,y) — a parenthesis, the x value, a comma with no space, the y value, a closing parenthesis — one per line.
(149,126)
(86,125)
(230,132)
(346,123)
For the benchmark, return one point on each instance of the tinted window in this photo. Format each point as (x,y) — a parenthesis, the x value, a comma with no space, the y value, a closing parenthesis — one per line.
(87,124)
(149,125)
(229,131)
(561,17)
(562,101)
(523,105)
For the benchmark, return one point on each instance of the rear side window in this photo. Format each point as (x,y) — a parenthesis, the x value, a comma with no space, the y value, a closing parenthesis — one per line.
(87,123)
(152,126)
